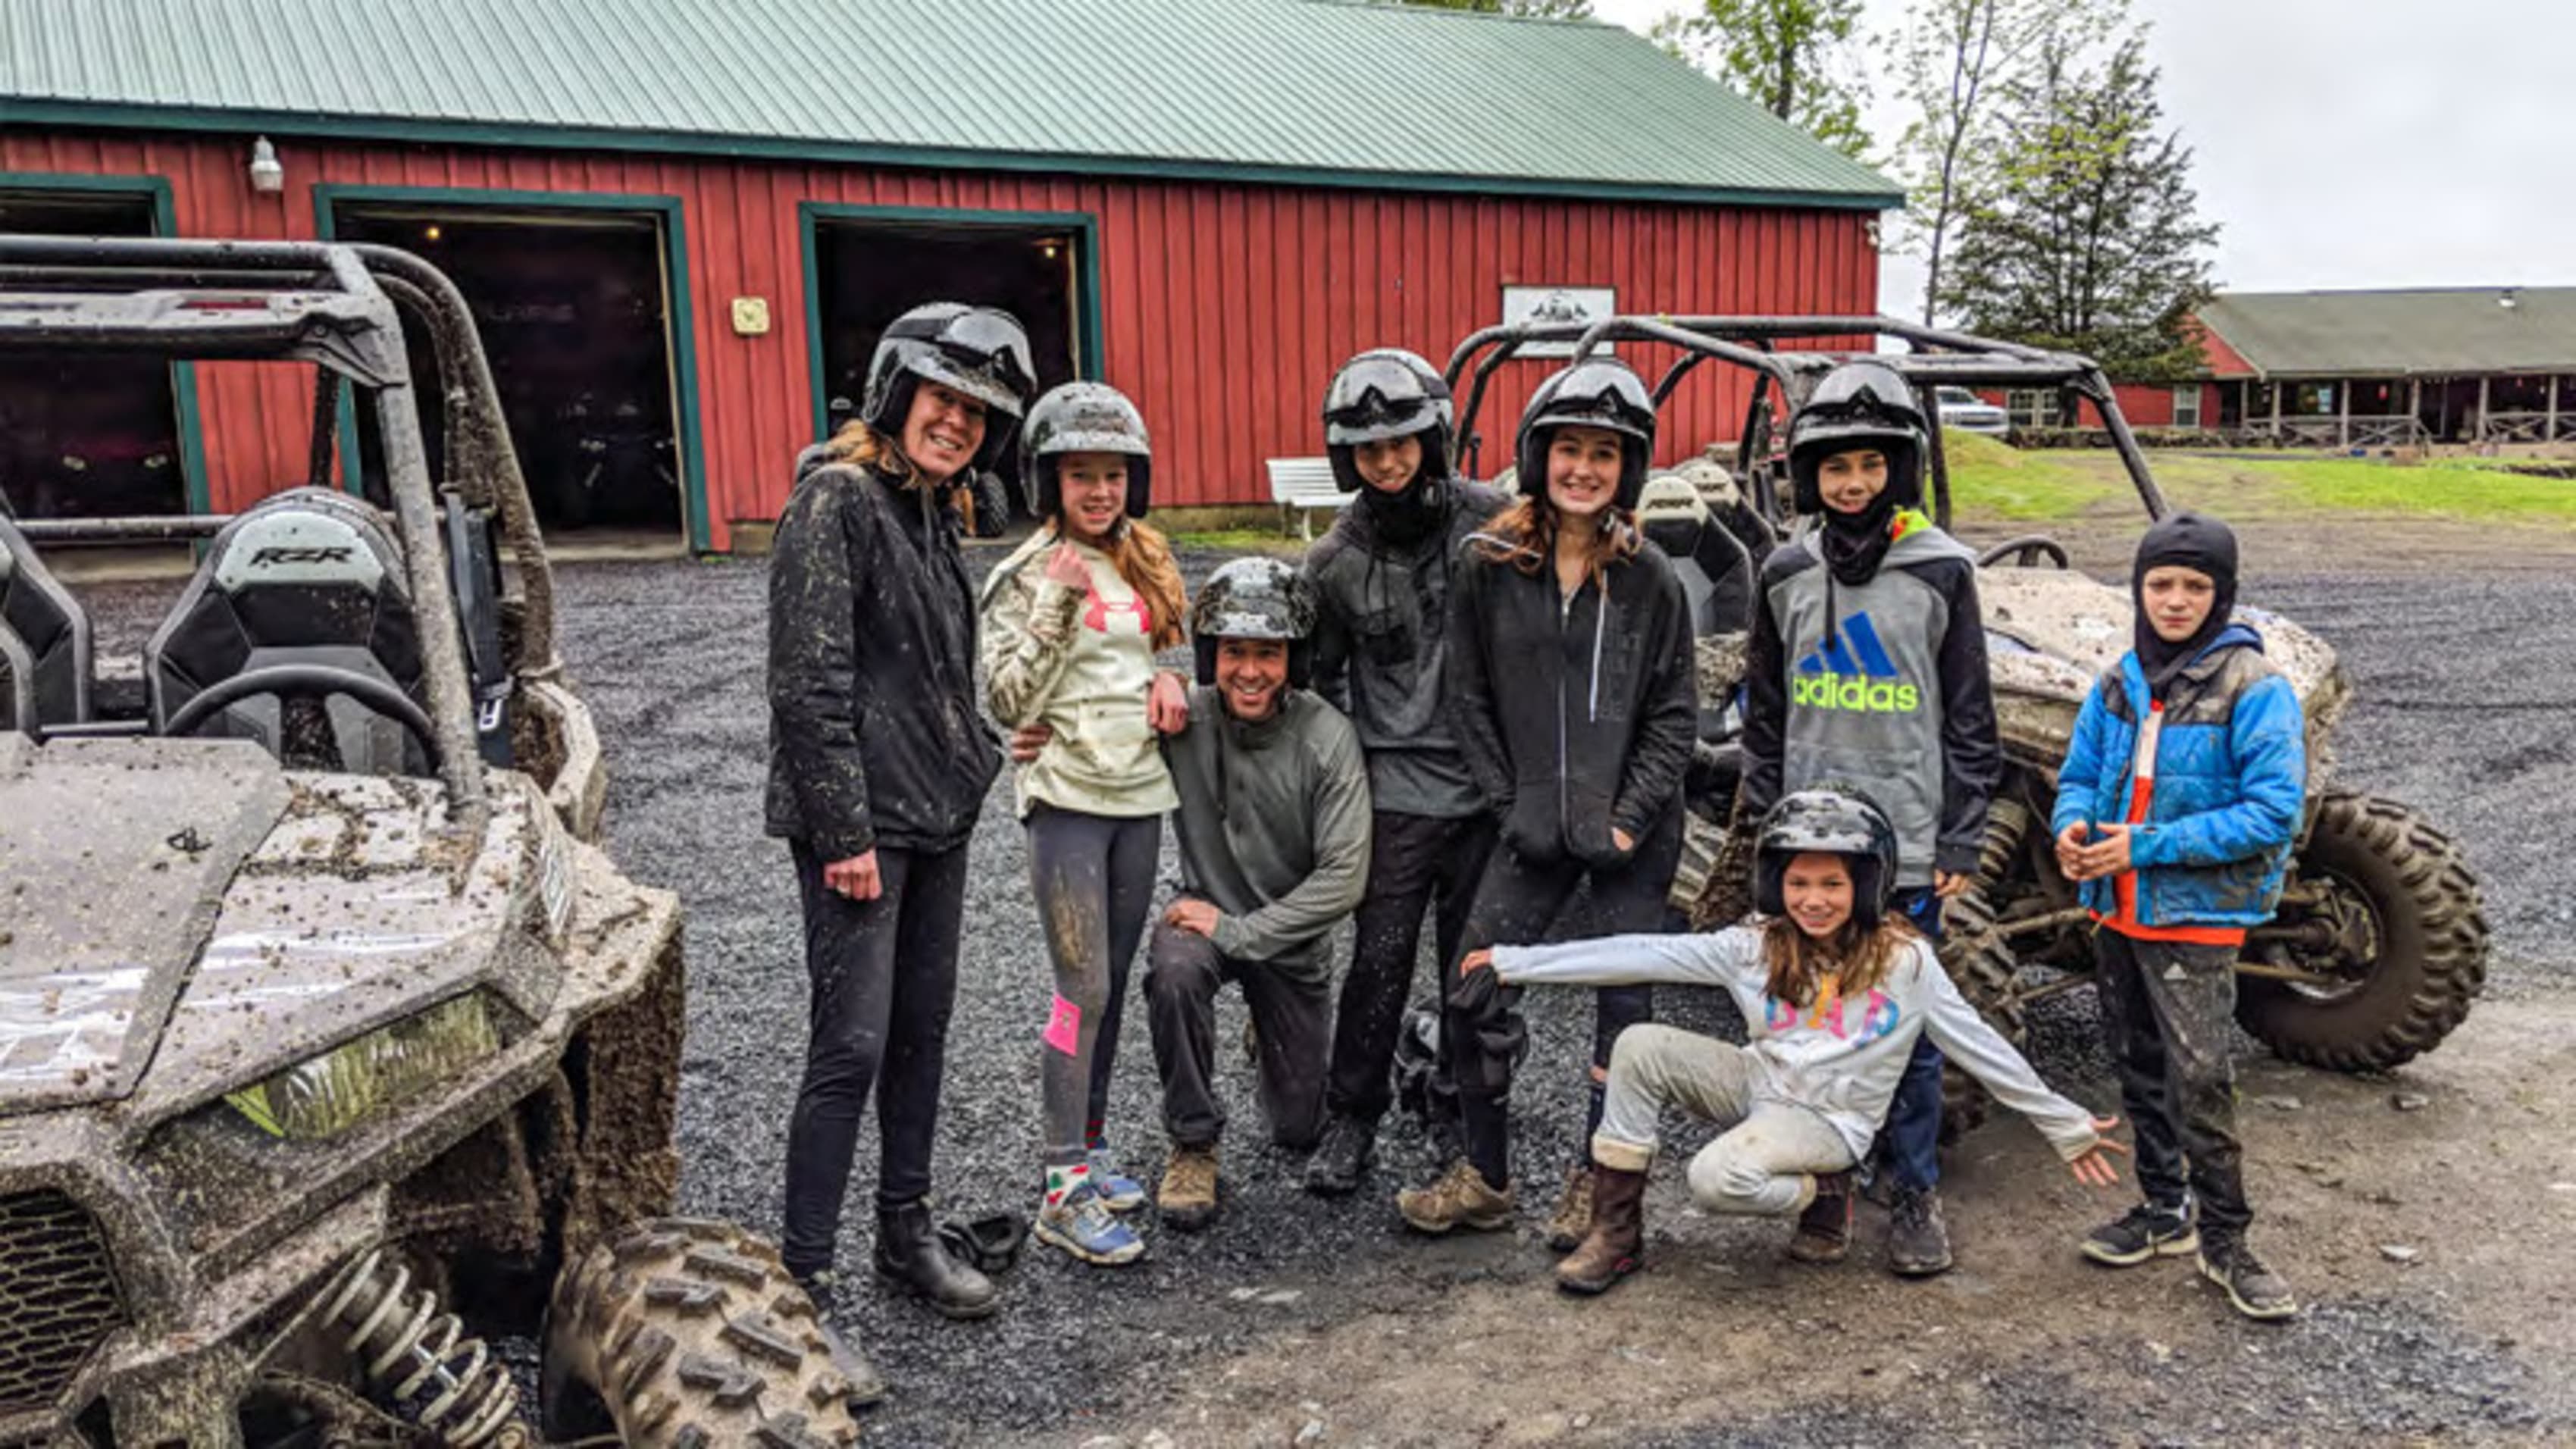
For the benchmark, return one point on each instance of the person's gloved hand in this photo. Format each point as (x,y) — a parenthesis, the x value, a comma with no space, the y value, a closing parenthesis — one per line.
(1492,1030)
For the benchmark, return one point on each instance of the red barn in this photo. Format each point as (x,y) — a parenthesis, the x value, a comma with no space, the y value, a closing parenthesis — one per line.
(682,222)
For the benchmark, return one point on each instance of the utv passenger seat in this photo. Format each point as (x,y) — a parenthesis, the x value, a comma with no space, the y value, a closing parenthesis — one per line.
(44,642)
(309,577)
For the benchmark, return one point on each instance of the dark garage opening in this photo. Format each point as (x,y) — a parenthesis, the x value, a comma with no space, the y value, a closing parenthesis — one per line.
(575,315)
(87,437)
(868,273)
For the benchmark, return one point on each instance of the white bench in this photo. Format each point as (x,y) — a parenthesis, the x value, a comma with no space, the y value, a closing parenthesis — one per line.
(1304,484)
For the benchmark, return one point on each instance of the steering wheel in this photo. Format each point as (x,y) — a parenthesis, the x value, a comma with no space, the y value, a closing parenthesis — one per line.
(286,679)
(2024,551)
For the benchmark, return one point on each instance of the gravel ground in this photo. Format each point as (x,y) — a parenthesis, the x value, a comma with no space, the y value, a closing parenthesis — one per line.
(669,655)
(2456,715)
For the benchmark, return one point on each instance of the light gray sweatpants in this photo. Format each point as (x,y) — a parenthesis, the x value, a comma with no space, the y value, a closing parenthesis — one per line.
(1763,1165)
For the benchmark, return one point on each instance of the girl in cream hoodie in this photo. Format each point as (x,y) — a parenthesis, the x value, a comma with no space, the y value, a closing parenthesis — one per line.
(1072,622)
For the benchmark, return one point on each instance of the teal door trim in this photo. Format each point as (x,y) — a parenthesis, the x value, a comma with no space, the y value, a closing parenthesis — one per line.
(810,215)
(194,489)
(681,320)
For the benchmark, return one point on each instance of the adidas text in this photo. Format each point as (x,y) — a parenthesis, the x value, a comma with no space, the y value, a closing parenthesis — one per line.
(1853,692)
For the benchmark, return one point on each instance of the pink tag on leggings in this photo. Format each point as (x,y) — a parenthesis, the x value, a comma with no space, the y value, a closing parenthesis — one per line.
(1064,1027)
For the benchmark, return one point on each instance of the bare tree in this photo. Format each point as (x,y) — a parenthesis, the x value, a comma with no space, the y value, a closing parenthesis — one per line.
(1956,62)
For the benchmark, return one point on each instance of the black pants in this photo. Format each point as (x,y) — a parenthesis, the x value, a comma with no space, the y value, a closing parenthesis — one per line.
(1517,902)
(1292,1018)
(883,976)
(2167,1008)
(1093,876)
(1415,862)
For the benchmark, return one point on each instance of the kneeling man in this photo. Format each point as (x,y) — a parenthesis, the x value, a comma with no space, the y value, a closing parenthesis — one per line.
(1274,845)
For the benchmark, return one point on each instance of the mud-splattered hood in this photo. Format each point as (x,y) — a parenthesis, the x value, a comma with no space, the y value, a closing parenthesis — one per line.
(179,918)
(114,857)
(2052,632)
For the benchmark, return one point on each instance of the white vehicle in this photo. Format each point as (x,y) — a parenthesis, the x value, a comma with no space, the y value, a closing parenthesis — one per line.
(1969,413)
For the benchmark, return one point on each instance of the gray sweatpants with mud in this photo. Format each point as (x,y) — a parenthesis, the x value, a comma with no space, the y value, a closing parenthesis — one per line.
(2168,1009)
(1292,1026)
(1093,876)
(1764,1164)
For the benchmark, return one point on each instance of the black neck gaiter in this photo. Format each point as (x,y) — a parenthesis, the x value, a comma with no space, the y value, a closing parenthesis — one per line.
(2193,541)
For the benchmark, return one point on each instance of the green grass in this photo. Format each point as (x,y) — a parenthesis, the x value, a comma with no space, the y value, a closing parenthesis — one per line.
(1990,479)
(1993,481)
(1243,540)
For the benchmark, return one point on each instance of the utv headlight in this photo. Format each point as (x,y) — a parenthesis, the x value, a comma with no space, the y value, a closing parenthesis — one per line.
(331,1093)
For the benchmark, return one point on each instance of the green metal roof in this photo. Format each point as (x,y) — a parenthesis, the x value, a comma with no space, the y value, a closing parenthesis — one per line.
(1299,91)
(2444,332)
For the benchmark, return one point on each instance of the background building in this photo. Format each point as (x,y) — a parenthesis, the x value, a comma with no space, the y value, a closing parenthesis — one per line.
(682,222)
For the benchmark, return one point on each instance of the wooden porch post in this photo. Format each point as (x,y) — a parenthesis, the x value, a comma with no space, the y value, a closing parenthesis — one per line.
(2549,429)
(2343,413)
(2484,430)
(2414,407)
(2275,385)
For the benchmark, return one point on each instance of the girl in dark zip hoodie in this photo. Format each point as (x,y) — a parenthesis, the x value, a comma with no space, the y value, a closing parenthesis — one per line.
(1572,696)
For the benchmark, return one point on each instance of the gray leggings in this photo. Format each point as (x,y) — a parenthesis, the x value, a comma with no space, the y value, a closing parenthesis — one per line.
(1093,876)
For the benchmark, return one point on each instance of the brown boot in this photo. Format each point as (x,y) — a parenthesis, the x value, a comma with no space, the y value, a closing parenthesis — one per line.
(1618,1238)
(1825,1228)
(1573,1220)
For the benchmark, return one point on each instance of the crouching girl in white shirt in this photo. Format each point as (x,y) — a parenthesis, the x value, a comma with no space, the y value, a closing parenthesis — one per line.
(1835,990)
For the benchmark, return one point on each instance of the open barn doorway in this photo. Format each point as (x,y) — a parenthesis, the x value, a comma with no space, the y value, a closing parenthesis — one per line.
(869,270)
(575,312)
(87,437)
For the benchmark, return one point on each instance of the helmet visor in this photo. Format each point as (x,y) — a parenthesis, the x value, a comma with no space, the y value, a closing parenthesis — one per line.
(1376,398)
(984,355)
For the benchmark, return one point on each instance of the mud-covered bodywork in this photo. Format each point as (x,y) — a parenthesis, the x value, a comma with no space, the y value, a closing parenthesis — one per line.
(285,916)
(2051,632)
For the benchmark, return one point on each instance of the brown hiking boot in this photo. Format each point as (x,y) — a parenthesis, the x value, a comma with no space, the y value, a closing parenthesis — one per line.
(1617,1242)
(1187,1195)
(1825,1228)
(1461,1198)
(1572,1222)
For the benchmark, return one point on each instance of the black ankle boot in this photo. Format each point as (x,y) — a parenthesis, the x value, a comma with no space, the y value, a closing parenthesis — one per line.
(910,1255)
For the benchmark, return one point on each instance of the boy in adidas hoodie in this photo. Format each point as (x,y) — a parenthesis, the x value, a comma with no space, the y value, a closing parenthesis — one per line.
(2176,809)
(1867,669)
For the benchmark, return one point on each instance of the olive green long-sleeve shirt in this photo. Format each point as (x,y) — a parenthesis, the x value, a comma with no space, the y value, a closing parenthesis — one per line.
(1273,825)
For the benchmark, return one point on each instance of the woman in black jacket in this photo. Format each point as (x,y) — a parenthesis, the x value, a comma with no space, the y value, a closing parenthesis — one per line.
(879,763)
(1572,695)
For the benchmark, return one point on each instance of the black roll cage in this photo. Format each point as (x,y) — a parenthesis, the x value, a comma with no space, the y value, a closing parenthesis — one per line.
(341,308)
(1935,358)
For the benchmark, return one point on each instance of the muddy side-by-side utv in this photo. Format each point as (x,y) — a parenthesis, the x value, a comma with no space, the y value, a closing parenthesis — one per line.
(2380,941)
(332,1048)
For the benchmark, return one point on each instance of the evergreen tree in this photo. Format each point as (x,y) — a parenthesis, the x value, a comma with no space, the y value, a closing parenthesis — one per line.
(2090,239)
(1793,57)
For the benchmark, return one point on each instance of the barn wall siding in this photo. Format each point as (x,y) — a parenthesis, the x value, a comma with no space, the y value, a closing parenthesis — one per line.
(1225,307)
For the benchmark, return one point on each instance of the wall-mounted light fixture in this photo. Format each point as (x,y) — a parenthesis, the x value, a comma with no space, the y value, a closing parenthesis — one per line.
(267,173)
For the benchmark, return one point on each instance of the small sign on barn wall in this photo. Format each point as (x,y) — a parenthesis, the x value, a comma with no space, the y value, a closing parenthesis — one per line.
(1557,304)
(751,316)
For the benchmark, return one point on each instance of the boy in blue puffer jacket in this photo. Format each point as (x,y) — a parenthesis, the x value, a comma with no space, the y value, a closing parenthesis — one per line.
(2176,809)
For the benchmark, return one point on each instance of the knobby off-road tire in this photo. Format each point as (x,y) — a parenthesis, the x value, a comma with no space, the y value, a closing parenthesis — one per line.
(682,1333)
(2431,930)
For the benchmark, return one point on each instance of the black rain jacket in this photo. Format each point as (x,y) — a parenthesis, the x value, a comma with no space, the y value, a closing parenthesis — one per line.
(1576,715)
(874,737)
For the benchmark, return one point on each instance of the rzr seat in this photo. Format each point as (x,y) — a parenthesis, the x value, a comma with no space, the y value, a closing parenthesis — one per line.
(309,577)
(44,642)
(1716,573)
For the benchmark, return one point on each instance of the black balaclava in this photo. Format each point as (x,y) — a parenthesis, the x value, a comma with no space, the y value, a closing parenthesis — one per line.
(2195,541)
(1855,542)
(1412,513)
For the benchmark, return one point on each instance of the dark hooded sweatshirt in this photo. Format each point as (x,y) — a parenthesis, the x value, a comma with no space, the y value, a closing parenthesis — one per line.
(1380,643)
(1575,714)
(874,737)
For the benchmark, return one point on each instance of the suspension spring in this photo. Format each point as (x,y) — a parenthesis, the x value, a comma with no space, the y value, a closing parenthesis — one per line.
(419,1359)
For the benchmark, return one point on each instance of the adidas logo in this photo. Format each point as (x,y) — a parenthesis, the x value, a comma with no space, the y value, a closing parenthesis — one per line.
(1854,674)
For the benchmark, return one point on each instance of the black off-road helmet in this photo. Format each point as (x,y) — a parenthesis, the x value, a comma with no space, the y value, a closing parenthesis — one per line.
(1084,417)
(1598,392)
(1831,820)
(979,351)
(1860,404)
(1387,392)
(1255,598)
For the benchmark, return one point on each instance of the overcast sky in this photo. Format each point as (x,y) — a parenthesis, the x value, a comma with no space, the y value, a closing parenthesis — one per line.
(2349,143)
